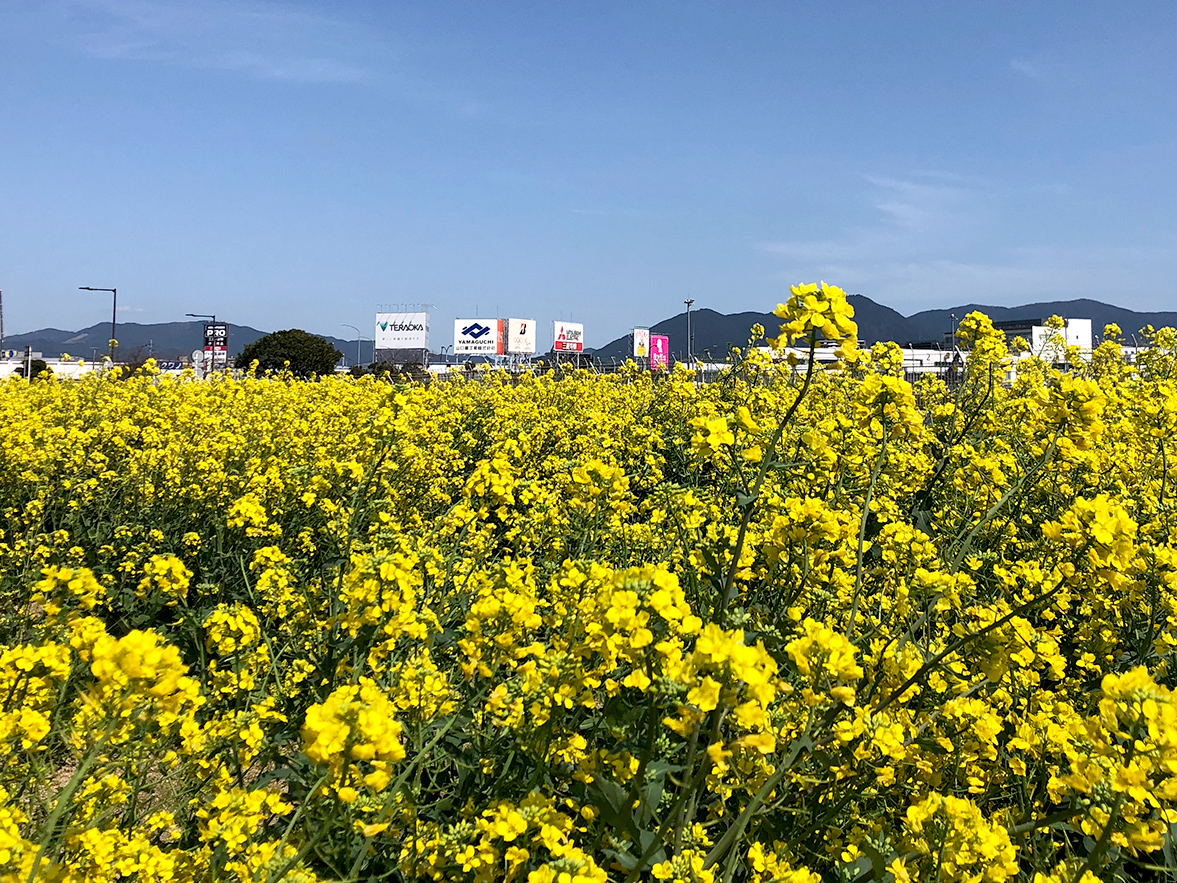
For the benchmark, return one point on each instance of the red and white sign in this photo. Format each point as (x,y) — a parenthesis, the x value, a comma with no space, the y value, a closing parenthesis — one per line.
(568,337)
(216,344)
(659,352)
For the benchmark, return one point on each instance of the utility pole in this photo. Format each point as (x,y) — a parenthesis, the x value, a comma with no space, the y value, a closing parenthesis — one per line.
(1,319)
(690,356)
(114,309)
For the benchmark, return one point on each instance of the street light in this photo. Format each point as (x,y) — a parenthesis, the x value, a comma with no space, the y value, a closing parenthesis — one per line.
(114,308)
(357,331)
(690,357)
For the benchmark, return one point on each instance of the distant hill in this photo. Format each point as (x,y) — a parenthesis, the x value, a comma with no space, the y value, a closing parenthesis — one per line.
(931,324)
(716,332)
(713,331)
(166,340)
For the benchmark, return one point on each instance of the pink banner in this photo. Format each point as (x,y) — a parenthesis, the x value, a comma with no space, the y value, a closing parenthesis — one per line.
(659,352)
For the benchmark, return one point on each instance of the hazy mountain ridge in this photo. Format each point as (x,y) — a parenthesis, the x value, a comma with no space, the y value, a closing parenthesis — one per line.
(932,323)
(165,340)
(716,332)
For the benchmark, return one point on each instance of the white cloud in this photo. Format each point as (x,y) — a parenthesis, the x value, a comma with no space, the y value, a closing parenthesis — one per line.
(922,252)
(862,245)
(1064,68)
(919,206)
(266,40)
(912,217)
(1137,278)
(1027,67)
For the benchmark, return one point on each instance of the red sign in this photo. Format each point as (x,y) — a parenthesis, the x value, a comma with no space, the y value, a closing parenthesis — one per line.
(568,337)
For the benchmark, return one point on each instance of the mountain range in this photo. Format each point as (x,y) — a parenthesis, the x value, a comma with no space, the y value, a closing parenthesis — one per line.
(713,332)
(165,340)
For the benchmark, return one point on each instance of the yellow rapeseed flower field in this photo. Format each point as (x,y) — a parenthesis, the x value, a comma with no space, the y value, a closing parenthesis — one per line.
(796,625)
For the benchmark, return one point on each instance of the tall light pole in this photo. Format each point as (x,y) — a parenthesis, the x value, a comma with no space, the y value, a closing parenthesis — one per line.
(690,357)
(357,331)
(425,352)
(114,309)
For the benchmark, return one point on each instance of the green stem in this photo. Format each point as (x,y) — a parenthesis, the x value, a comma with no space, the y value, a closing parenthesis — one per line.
(395,789)
(968,540)
(290,829)
(766,459)
(870,491)
(63,798)
(957,645)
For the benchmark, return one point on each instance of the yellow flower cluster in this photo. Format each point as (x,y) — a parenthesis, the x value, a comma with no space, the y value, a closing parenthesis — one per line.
(166,574)
(820,310)
(826,657)
(952,837)
(351,732)
(30,677)
(794,625)
(141,686)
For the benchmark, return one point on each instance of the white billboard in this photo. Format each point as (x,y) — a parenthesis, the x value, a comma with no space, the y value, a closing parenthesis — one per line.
(402,331)
(521,336)
(568,337)
(478,337)
(641,343)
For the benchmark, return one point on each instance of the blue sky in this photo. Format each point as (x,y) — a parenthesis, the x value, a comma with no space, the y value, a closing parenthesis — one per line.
(295,164)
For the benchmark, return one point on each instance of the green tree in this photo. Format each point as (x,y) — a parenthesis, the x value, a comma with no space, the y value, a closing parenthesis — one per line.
(397,372)
(39,367)
(295,350)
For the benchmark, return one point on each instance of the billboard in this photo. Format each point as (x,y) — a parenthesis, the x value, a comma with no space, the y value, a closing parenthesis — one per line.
(521,336)
(402,331)
(659,352)
(641,343)
(478,337)
(216,345)
(568,337)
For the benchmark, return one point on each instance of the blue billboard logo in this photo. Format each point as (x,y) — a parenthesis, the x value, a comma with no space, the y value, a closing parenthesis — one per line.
(476,331)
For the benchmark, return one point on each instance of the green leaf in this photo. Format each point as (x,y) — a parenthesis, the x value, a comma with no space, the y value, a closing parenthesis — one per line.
(612,802)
